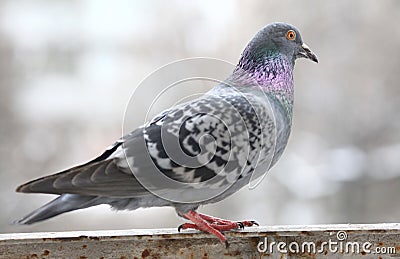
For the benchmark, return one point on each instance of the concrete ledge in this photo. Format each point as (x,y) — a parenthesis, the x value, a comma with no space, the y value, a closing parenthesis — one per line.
(254,242)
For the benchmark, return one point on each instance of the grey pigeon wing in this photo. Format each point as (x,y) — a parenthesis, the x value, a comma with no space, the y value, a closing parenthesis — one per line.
(210,131)
(101,176)
(210,143)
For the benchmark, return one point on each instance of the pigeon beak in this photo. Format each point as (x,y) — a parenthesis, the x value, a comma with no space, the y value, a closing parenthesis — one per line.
(305,52)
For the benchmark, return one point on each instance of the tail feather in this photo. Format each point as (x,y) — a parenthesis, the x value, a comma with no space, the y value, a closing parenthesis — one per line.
(63,203)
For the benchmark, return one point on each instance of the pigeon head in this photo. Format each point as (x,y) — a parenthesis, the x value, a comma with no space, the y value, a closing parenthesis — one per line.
(285,39)
(269,60)
(276,40)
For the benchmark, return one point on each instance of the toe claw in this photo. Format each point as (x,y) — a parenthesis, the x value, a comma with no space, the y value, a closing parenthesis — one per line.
(226,244)
(240,225)
(255,223)
(180,228)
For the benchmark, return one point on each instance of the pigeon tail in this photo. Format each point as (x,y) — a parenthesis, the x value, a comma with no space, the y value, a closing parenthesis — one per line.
(63,203)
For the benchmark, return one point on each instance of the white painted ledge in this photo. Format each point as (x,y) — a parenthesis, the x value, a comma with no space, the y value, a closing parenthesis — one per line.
(168,243)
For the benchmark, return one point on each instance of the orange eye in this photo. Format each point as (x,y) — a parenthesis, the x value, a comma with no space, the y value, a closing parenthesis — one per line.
(291,35)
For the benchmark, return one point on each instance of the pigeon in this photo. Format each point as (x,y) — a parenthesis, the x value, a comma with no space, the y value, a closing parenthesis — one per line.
(195,153)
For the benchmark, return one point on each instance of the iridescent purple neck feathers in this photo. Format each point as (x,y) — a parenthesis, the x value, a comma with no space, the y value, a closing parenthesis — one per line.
(274,75)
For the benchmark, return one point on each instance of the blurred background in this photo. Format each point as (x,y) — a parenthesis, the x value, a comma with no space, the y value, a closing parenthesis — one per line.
(67,69)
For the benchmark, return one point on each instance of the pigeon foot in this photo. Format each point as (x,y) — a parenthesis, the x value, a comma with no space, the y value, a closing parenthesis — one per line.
(213,225)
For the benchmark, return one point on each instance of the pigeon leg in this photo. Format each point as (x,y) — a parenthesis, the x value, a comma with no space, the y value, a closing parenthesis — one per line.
(202,225)
(213,225)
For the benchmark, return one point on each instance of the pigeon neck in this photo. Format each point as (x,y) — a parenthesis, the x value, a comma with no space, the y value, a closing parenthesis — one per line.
(274,74)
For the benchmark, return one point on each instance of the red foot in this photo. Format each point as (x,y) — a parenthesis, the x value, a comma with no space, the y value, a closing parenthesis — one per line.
(232,224)
(213,225)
